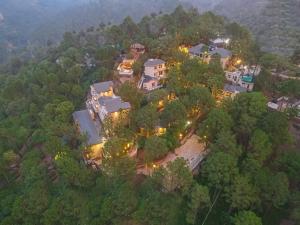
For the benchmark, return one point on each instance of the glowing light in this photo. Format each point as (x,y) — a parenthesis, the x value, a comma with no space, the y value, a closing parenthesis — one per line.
(188,123)
(238,62)
(183,49)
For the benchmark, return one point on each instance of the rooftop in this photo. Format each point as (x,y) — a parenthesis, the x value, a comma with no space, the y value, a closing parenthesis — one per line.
(273,105)
(220,40)
(88,127)
(247,78)
(153,62)
(114,104)
(234,88)
(201,48)
(224,53)
(137,45)
(147,79)
(198,49)
(103,86)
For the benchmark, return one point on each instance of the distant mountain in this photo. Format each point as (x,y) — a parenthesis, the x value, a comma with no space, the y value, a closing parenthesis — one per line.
(275,23)
(23,23)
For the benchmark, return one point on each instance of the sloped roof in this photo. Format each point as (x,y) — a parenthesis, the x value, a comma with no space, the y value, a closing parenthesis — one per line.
(87,127)
(114,104)
(137,45)
(273,105)
(196,50)
(224,53)
(154,62)
(234,88)
(103,86)
(148,79)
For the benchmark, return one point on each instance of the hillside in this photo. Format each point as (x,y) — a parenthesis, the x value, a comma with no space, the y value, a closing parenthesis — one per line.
(32,23)
(275,23)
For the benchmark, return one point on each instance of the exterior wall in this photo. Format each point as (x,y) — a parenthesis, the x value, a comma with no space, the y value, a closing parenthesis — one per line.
(158,71)
(249,86)
(233,76)
(150,85)
(102,113)
(224,62)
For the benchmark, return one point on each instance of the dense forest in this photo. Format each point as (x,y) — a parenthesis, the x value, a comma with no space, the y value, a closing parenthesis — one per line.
(275,23)
(250,177)
(33,24)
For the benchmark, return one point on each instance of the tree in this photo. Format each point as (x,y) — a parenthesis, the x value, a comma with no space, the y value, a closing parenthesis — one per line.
(199,198)
(220,170)
(260,146)
(226,142)
(217,120)
(198,99)
(274,187)
(72,172)
(289,163)
(242,194)
(215,83)
(157,208)
(70,207)
(246,110)
(246,218)
(175,177)
(131,94)
(275,124)
(174,114)
(146,118)
(116,162)
(119,205)
(155,148)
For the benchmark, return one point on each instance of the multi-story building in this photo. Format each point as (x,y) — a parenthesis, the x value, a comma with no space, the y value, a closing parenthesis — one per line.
(102,104)
(206,53)
(155,70)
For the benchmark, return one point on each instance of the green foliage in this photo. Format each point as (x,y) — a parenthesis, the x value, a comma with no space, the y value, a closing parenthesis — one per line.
(155,148)
(131,94)
(220,170)
(199,199)
(175,177)
(174,114)
(242,194)
(45,181)
(146,117)
(217,121)
(247,218)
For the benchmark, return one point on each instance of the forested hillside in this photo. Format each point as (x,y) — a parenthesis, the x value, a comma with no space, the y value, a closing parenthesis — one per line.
(34,24)
(275,23)
(250,177)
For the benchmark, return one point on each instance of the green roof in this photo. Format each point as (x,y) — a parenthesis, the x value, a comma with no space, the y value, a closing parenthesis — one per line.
(247,78)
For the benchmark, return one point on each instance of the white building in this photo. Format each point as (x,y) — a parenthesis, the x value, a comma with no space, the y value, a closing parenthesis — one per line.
(155,68)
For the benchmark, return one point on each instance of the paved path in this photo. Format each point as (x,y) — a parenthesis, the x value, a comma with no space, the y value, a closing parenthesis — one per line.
(192,151)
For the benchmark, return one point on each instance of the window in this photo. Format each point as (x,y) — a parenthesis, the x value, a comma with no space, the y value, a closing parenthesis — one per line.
(160,72)
(155,67)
